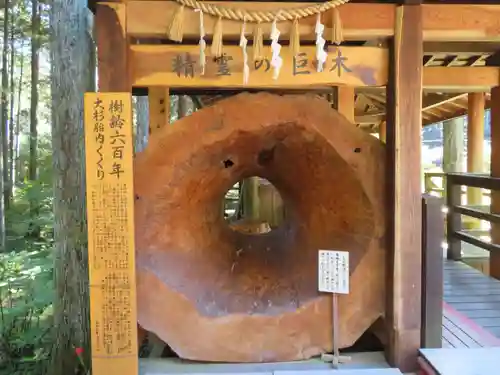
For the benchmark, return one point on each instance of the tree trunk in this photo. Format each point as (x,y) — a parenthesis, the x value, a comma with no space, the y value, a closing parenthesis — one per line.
(142,119)
(186,106)
(5,106)
(18,169)
(71,67)
(35,40)
(11,111)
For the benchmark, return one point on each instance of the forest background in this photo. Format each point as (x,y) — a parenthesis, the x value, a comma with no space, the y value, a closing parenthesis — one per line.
(48,62)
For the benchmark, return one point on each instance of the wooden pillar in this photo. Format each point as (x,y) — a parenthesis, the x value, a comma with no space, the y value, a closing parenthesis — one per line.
(475,143)
(112,48)
(495,172)
(251,201)
(453,145)
(159,108)
(345,102)
(114,348)
(382,131)
(404,255)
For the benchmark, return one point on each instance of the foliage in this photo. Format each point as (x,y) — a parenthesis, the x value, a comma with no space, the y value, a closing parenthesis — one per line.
(25,311)
(26,271)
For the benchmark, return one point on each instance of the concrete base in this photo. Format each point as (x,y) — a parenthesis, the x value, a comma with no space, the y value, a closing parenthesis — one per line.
(361,364)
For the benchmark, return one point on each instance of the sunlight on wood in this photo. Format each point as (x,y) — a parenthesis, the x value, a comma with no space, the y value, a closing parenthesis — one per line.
(110,202)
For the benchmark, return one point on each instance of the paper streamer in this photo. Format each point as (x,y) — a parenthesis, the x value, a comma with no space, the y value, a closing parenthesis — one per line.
(276,60)
(321,54)
(243,45)
(203,44)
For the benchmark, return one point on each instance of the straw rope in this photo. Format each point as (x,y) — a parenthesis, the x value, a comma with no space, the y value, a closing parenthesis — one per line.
(261,16)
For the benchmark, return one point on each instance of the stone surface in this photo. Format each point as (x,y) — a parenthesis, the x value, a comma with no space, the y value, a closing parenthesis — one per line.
(214,294)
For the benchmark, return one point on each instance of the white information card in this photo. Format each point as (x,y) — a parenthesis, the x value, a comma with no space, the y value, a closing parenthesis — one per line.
(333,271)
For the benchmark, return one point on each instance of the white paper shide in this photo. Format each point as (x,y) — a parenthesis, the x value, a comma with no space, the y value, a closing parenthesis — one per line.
(276,60)
(243,45)
(202,43)
(333,271)
(321,54)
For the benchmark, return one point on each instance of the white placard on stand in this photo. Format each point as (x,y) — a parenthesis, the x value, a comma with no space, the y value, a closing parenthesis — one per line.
(333,271)
(333,277)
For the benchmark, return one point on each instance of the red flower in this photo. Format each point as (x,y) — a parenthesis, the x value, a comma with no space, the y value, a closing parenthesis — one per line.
(79,351)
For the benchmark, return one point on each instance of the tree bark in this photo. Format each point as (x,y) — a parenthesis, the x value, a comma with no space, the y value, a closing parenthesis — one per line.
(18,170)
(11,111)
(35,41)
(71,66)
(142,120)
(5,106)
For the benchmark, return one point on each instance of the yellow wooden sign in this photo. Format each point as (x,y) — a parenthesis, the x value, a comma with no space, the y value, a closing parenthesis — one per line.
(179,66)
(110,210)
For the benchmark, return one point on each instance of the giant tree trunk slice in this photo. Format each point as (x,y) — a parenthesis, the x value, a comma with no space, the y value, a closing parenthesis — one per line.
(214,294)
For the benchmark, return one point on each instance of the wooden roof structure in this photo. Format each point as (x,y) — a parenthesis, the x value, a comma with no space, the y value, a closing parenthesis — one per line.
(437,105)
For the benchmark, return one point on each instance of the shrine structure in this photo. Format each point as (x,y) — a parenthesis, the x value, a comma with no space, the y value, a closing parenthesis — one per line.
(164,262)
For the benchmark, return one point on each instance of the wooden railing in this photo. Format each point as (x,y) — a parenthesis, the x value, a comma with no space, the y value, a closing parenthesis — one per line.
(454,228)
(431,187)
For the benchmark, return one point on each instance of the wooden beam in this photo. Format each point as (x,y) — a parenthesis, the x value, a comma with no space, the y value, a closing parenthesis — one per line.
(112,47)
(441,22)
(178,66)
(369,119)
(461,78)
(457,22)
(434,100)
(458,48)
(404,119)
(345,102)
(152,18)
(495,172)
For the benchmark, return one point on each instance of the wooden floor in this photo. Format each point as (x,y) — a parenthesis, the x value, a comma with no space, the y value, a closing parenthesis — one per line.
(471,314)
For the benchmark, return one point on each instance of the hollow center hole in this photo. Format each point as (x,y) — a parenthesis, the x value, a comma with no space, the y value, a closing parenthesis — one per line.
(253,206)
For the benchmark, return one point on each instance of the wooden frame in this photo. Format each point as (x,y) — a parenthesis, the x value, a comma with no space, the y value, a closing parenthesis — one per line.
(120,24)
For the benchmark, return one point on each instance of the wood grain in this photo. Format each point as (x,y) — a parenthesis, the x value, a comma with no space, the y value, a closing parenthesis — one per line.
(202,286)
(404,121)
(112,48)
(360,21)
(110,218)
(168,66)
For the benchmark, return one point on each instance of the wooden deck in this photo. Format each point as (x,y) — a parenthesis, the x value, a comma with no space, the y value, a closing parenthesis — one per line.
(472,305)
(471,325)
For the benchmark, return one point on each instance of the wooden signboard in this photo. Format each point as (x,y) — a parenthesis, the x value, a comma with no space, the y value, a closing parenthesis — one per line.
(179,66)
(110,210)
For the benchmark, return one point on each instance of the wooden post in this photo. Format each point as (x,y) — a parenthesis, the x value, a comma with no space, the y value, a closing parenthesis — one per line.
(495,172)
(114,340)
(159,108)
(382,131)
(345,102)
(112,48)
(110,213)
(432,271)
(453,219)
(475,148)
(404,124)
